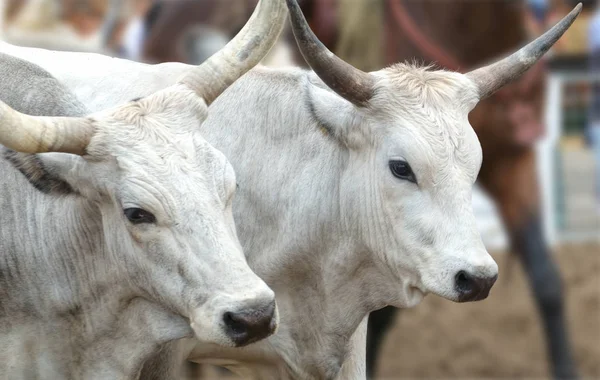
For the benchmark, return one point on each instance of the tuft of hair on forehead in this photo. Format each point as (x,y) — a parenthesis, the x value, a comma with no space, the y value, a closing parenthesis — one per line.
(161,129)
(429,85)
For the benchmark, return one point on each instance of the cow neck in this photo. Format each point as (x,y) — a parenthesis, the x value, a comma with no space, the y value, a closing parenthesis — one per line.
(51,233)
(290,222)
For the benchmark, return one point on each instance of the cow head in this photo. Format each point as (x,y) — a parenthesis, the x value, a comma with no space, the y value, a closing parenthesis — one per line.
(162,195)
(413,159)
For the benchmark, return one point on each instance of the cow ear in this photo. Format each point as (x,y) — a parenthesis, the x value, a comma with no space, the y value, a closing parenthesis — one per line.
(74,171)
(57,173)
(335,116)
(38,175)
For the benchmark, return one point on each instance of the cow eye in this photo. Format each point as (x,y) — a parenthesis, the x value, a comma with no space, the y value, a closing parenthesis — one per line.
(402,170)
(139,216)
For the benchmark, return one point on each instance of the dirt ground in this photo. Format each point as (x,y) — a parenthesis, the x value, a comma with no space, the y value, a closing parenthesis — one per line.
(499,337)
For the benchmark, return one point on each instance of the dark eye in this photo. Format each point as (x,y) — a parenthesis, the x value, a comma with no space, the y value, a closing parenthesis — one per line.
(139,216)
(402,170)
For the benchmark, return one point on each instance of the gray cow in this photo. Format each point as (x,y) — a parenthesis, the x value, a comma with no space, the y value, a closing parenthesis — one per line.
(354,189)
(125,342)
(117,232)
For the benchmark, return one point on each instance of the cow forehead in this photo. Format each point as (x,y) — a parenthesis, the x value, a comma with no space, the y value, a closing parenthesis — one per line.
(173,112)
(175,181)
(413,87)
(158,147)
(162,128)
(426,114)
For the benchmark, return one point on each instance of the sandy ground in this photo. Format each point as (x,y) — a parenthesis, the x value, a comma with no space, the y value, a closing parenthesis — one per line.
(499,337)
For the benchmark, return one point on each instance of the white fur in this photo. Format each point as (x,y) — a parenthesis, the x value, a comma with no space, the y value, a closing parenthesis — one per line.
(319,214)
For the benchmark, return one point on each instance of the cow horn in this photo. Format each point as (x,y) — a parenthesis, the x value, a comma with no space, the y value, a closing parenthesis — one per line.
(241,54)
(35,134)
(352,84)
(491,78)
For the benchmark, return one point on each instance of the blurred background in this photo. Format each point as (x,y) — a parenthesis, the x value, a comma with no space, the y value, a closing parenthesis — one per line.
(538,198)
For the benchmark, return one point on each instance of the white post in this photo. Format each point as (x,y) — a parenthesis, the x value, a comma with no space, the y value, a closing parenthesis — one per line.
(545,150)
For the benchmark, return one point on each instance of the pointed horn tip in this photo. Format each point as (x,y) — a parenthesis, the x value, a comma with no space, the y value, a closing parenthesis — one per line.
(566,22)
(569,19)
(577,10)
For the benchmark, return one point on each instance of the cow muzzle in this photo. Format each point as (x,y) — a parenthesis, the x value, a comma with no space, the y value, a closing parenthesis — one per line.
(238,318)
(473,288)
(250,324)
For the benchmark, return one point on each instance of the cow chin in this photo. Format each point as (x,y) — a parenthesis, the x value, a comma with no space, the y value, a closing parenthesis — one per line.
(409,296)
(415,297)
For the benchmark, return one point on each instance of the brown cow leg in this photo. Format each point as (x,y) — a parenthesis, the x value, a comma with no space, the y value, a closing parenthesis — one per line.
(380,322)
(511,180)
(546,284)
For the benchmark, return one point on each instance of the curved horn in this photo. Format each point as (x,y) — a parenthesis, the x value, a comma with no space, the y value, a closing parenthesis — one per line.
(35,134)
(241,54)
(352,84)
(491,78)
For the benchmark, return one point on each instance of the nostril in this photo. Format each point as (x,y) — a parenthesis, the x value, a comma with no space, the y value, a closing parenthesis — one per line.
(472,288)
(235,322)
(463,282)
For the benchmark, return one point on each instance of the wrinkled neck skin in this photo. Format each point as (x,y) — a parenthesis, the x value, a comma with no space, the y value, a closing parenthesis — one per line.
(299,218)
(65,302)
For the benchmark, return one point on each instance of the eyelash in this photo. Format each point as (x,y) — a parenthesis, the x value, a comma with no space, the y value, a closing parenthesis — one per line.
(402,170)
(139,216)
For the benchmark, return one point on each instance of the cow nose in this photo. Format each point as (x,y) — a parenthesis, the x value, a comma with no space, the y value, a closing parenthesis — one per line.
(473,288)
(250,325)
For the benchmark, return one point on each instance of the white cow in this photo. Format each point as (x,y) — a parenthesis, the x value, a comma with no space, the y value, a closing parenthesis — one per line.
(117,228)
(355,189)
